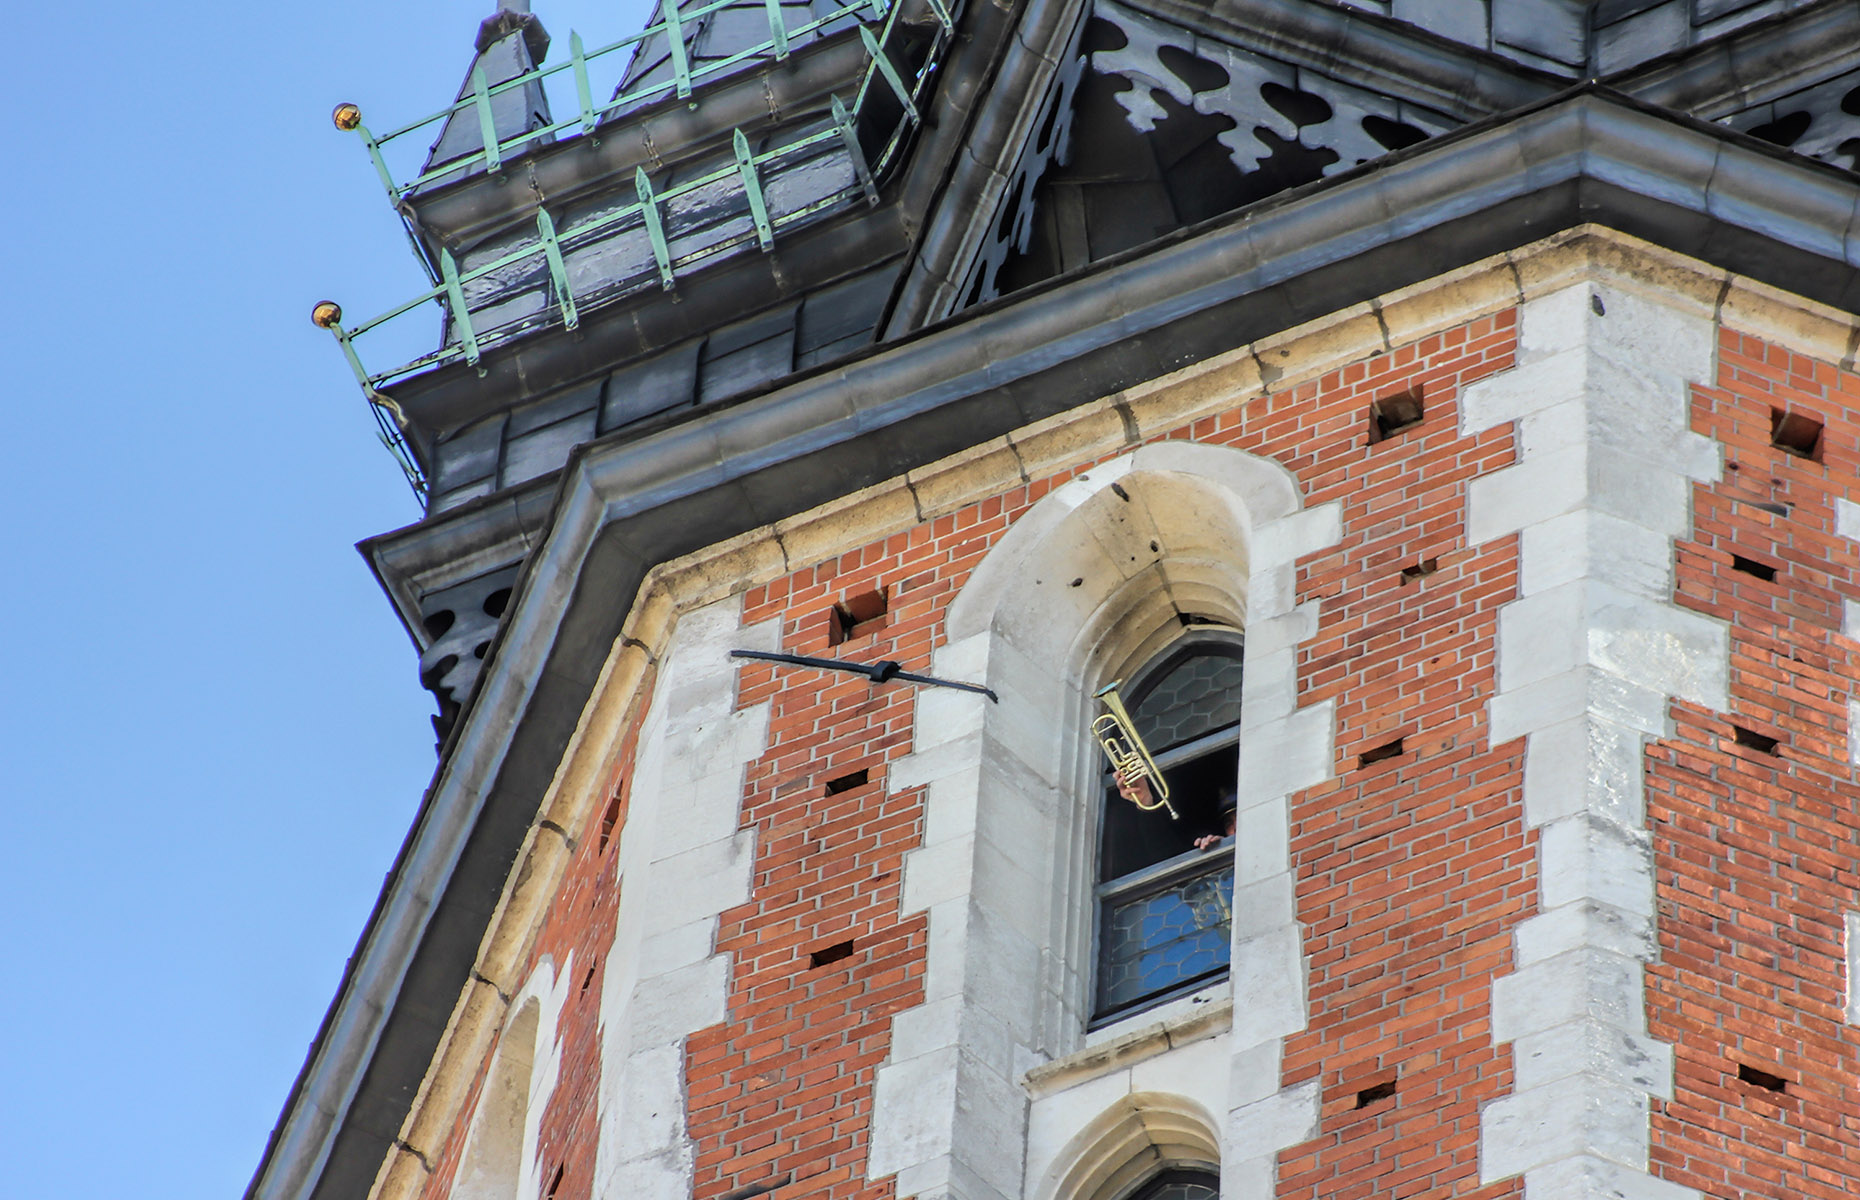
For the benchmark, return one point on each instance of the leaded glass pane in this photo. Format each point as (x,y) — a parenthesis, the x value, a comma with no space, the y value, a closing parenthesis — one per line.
(1183,1191)
(1199,695)
(1161,939)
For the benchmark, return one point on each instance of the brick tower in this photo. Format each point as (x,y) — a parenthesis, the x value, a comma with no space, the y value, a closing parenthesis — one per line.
(1438,421)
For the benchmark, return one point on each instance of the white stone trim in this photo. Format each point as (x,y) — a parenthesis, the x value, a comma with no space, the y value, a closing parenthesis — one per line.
(1853,968)
(1006,867)
(1588,656)
(664,979)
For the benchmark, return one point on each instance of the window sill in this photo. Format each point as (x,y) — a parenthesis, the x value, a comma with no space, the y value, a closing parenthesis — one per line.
(1193,1018)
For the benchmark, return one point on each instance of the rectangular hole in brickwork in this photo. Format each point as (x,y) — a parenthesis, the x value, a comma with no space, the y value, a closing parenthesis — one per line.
(1376,1092)
(1751,566)
(1761,1078)
(1420,570)
(830,954)
(1394,414)
(555,1184)
(1797,433)
(609,819)
(849,781)
(856,616)
(1385,750)
(1761,743)
(760,1189)
(587,981)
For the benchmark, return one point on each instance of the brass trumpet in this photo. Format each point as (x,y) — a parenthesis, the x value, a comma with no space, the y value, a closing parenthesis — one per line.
(1130,758)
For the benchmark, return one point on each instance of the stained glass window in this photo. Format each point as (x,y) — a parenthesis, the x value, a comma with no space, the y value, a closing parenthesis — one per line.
(1180,1185)
(1164,903)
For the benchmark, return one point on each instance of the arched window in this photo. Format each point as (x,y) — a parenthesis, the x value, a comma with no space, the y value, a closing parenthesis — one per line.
(1180,1184)
(1164,904)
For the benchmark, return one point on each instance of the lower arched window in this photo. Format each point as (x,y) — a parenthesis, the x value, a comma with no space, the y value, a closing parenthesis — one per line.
(1165,886)
(1179,1183)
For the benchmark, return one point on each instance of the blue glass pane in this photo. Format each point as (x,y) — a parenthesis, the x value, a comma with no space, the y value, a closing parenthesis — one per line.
(1160,940)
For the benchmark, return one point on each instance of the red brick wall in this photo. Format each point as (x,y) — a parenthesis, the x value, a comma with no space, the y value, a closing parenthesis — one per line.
(1758,854)
(1411,872)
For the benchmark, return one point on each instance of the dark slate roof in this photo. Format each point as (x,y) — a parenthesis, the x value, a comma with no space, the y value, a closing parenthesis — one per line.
(723,33)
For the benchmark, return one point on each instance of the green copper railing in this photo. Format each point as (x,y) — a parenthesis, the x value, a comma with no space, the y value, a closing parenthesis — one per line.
(467,341)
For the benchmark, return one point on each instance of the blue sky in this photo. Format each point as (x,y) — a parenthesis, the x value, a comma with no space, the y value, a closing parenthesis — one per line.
(212,738)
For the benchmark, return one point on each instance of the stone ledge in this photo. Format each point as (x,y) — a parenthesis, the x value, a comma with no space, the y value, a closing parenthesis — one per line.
(1130,1048)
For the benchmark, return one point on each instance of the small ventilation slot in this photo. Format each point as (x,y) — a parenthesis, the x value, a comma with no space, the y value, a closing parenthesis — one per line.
(1796,433)
(1763,1079)
(1375,1093)
(1395,414)
(830,954)
(1751,566)
(587,981)
(856,617)
(847,782)
(1420,570)
(1750,738)
(1385,750)
(555,1185)
(609,819)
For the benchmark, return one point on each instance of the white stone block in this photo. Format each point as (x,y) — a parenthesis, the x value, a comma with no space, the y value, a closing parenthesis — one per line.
(1583,858)
(1850,618)
(668,1007)
(1252,1073)
(1588,544)
(1580,1115)
(1282,1119)
(1534,490)
(1853,732)
(1295,535)
(1300,752)
(1255,1178)
(1268,974)
(1643,330)
(926,1029)
(653,1101)
(947,949)
(1846,518)
(1586,765)
(1581,985)
(918,1096)
(1853,968)
(1583,1177)
(1264,906)
(1271,590)
(676,948)
(723,865)
(1632,488)
(1589,1048)
(1585,925)
(939,872)
(950,804)
(935,762)
(1554,323)
(1549,382)
(1262,841)
(1660,646)
(1268,688)
(1282,634)
(1542,635)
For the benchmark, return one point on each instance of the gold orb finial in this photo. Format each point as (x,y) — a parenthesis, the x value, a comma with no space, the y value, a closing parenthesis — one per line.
(346,116)
(326,315)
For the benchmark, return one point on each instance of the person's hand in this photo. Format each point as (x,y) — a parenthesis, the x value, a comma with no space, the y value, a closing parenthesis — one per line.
(1137,791)
(1206,840)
